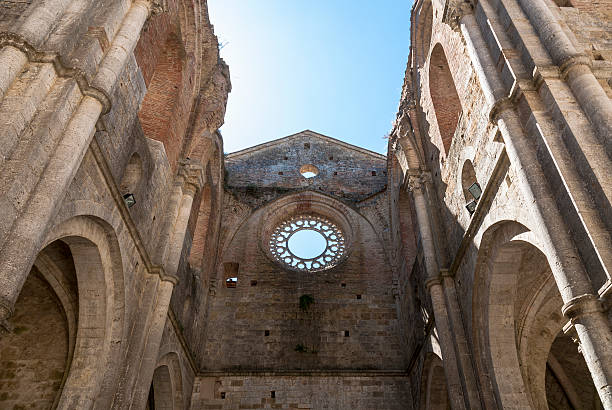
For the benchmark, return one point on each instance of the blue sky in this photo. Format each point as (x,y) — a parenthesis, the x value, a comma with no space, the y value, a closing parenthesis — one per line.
(332,66)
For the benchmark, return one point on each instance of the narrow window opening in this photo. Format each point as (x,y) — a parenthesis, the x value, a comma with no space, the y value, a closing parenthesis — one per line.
(223,395)
(373,173)
(273,394)
(358,296)
(253,283)
(343,285)
(346,333)
(331,157)
(266,333)
(307,145)
(231,274)
(280,172)
(335,172)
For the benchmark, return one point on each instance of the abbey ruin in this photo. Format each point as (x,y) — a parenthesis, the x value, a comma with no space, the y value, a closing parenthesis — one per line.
(143,268)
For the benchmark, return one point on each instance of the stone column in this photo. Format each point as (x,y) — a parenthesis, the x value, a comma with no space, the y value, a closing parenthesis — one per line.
(193,177)
(575,67)
(189,181)
(27,233)
(463,350)
(34,29)
(582,306)
(433,284)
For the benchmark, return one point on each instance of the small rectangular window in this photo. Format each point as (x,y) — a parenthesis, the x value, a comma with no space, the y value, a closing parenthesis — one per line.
(266,333)
(280,172)
(273,394)
(343,285)
(231,282)
(307,145)
(358,296)
(223,395)
(346,333)
(373,173)
(253,283)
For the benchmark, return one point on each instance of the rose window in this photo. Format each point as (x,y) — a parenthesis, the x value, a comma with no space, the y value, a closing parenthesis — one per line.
(307,243)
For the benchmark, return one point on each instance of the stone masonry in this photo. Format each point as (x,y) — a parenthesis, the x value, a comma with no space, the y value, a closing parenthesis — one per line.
(143,268)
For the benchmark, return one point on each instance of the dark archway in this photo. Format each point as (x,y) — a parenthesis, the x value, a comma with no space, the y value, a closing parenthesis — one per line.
(434,393)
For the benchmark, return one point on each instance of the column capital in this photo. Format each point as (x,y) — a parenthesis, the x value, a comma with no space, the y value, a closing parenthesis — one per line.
(454,11)
(417,180)
(191,177)
(581,305)
(163,276)
(433,281)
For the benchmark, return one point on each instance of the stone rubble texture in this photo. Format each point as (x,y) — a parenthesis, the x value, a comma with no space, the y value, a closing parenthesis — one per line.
(433,306)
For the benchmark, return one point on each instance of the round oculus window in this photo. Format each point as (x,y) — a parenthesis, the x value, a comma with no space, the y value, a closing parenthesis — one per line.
(307,243)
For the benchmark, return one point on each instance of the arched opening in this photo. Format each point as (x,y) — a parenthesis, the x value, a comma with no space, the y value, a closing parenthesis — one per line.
(82,264)
(568,381)
(166,392)
(434,395)
(131,175)
(34,356)
(160,395)
(444,96)
(163,61)
(423,31)
(517,309)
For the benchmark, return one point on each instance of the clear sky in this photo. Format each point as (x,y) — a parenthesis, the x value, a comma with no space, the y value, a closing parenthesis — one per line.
(331,66)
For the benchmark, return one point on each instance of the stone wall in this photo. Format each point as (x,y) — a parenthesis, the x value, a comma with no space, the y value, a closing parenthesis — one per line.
(359,391)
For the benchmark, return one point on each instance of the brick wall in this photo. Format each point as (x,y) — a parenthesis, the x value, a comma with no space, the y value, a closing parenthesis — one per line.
(274,169)
(301,392)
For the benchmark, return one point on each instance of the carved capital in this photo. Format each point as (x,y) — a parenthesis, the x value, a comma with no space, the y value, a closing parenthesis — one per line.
(454,11)
(499,107)
(191,177)
(158,7)
(417,180)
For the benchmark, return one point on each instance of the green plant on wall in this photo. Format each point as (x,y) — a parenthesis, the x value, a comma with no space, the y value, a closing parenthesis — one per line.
(306,301)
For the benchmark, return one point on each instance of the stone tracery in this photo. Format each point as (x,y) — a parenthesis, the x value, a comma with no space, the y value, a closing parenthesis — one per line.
(330,257)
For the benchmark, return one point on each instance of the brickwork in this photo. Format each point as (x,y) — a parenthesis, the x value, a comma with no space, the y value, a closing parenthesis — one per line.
(264,172)
(106,303)
(301,392)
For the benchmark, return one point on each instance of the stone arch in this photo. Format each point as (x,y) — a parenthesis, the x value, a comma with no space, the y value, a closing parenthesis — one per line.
(200,221)
(516,317)
(170,61)
(98,279)
(36,353)
(423,31)
(132,175)
(434,394)
(444,96)
(166,391)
